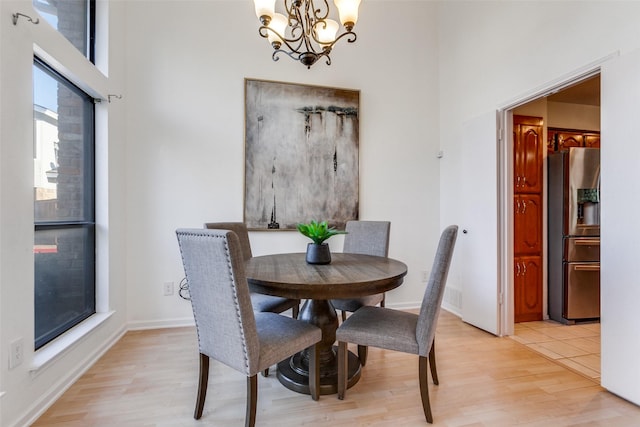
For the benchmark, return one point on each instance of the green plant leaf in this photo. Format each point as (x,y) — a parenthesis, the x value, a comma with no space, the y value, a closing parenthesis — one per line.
(318,232)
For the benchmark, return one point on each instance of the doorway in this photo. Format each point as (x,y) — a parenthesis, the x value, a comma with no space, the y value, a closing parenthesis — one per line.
(569,117)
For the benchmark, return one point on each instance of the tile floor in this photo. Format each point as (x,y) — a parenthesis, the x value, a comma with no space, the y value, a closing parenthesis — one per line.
(575,346)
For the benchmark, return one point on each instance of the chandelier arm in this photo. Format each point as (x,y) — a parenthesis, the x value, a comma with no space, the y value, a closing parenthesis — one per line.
(347,34)
(264,32)
(288,7)
(275,56)
(317,12)
(294,51)
(313,19)
(297,32)
(304,23)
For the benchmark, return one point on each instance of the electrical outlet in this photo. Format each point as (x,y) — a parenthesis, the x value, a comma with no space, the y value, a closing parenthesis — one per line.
(16,353)
(425,276)
(168,288)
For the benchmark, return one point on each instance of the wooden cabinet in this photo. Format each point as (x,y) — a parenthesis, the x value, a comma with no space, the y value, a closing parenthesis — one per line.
(567,140)
(563,139)
(592,140)
(527,153)
(527,292)
(527,221)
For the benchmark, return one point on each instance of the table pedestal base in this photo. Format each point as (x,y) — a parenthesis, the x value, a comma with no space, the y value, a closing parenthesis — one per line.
(293,373)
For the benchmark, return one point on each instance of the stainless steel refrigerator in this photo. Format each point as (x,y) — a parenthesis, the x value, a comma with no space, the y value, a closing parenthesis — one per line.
(574,235)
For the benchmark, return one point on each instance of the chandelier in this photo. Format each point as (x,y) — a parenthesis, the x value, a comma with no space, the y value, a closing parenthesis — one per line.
(305,32)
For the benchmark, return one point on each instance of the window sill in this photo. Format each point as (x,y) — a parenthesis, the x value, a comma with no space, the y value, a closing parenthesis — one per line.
(55,349)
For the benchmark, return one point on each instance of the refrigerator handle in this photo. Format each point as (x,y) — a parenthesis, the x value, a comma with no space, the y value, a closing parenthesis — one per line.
(587,268)
(587,242)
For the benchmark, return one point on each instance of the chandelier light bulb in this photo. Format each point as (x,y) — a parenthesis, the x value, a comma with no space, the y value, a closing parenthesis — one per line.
(348,10)
(326,31)
(278,24)
(264,10)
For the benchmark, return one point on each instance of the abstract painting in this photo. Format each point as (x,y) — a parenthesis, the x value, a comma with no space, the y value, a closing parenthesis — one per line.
(301,155)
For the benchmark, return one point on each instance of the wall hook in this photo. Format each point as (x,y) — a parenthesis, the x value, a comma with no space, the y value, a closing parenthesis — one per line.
(113,96)
(18,14)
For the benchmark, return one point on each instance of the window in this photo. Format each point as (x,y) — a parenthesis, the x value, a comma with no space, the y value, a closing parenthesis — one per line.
(74,19)
(64,247)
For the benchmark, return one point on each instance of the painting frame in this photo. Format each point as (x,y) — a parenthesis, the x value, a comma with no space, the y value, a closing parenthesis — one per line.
(301,154)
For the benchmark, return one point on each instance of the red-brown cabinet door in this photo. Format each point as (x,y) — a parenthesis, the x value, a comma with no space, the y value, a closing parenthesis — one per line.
(528,154)
(592,140)
(527,292)
(569,139)
(527,219)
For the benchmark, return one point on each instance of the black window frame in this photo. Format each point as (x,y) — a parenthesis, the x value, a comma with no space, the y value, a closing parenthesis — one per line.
(88,222)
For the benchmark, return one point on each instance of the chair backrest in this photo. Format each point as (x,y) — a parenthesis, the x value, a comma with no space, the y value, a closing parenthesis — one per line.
(367,238)
(226,326)
(430,309)
(240,228)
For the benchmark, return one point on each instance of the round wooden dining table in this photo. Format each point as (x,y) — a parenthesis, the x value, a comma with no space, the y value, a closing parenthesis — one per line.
(347,276)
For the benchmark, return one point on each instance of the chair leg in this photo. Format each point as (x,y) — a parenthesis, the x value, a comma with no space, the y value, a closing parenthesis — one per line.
(342,369)
(202,386)
(424,388)
(314,372)
(432,362)
(362,354)
(295,310)
(344,315)
(383,300)
(252,401)
(265,373)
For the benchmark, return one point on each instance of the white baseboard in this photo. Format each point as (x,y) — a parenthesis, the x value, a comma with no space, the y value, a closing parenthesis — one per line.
(404,305)
(451,309)
(160,324)
(38,407)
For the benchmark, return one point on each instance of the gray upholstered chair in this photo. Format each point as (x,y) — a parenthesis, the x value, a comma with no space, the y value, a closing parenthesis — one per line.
(368,238)
(228,328)
(260,302)
(401,331)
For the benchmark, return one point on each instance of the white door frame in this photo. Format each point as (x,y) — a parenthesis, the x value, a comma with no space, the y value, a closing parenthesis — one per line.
(505,182)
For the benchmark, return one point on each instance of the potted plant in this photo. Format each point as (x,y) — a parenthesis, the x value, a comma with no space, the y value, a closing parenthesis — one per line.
(318,251)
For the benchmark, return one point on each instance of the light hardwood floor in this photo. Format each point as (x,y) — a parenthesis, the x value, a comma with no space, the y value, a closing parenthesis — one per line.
(149,379)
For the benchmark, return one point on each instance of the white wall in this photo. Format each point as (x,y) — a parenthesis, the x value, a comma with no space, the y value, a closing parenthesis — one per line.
(619,263)
(185,71)
(494,53)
